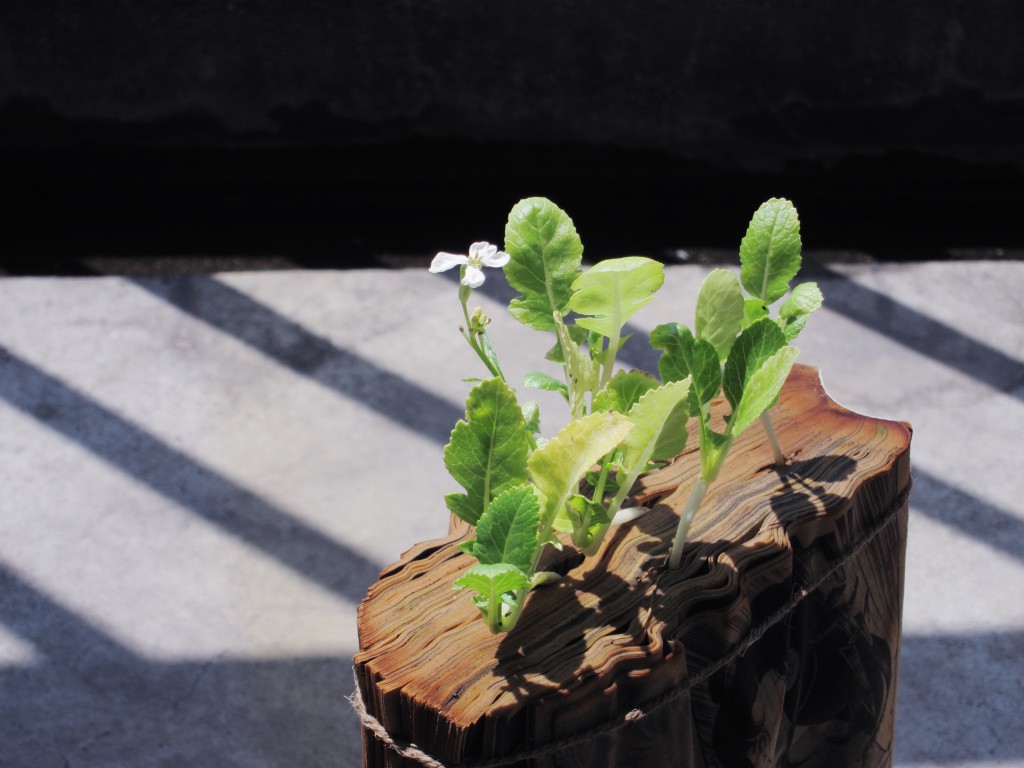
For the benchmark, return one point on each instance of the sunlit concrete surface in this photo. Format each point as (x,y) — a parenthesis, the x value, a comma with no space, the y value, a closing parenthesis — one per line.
(200,476)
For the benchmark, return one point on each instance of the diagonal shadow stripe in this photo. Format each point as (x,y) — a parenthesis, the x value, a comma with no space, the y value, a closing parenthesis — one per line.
(184,480)
(274,712)
(968,514)
(295,347)
(52,630)
(921,333)
(89,701)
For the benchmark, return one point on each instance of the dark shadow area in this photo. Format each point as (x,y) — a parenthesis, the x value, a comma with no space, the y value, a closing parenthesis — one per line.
(804,493)
(968,514)
(813,670)
(567,620)
(960,690)
(90,702)
(926,336)
(354,206)
(281,339)
(570,611)
(185,481)
(823,469)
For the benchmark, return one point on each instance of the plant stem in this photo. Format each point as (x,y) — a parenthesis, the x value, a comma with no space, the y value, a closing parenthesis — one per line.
(708,475)
(766,423)
(692,504)
(613,507)
(470,337)
(494,612)
(508,623)
(609,355)
(602,480)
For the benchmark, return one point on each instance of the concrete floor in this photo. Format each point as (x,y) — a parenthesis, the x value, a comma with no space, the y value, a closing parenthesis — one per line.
(200,476)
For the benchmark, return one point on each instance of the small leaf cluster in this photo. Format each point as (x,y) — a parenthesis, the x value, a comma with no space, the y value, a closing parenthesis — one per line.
(736,346)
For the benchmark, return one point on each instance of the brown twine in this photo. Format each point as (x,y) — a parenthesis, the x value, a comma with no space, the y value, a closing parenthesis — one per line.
(409,750)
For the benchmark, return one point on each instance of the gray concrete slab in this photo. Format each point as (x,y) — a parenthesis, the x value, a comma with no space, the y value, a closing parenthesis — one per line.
(199,481)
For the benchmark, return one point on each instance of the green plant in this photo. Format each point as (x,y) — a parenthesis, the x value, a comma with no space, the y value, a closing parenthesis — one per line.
(519,490)
(737,347)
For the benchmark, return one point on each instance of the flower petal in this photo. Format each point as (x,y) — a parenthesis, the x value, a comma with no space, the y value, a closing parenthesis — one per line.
(479,250)
(445,261)
(474,277)
(496,259)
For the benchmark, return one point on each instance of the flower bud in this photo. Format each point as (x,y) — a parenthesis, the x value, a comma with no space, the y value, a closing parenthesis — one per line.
(478,320)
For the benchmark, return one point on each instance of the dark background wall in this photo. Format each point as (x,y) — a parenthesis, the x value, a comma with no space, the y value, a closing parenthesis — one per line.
(329,132)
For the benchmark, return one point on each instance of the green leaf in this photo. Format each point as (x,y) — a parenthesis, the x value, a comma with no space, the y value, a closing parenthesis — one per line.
(583,509)
(531,416)
(587,518)
(719,311)
(496,584)
(755,345)
(673,436)
(676,342)
(623,390)
(545,259)
(804,299)
(487,451)
(557,467)
(460,505)
(613,290)
(706,375)
(659,410)
(482,577)
(753,310)
(507,531)
(595,343)
(489,354)
(610,486)
(792,326)
(762,389)
(538,380)
(770,251)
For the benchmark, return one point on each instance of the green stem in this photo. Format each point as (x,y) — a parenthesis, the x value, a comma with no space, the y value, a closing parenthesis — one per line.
(602,480)
(579,535)
(610,354)
(692,505)
(508,623)
(708,475)
(766,423)
(494,611)
(625,486)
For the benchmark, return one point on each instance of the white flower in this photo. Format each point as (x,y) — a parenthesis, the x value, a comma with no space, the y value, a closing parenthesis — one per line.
(480,255)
